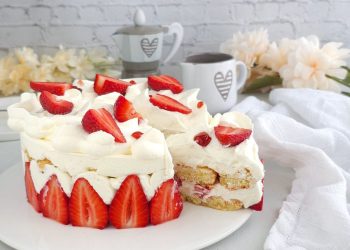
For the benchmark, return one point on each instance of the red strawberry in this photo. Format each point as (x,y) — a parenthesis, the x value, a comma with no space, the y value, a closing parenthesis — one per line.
(200,104)
(166,204)
(162,82)
(106,84)
(167,103)
(54,201)
(86,208)
(202,139)
(54,106)
(100,119)
(229,136)
(57,88)
(201,191)
(137,134)
(124,110)
(32,195)
(259,206)
(129,207)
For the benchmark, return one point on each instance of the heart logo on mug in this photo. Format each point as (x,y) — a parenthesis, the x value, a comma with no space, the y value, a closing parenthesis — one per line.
(149,47)
(223,83)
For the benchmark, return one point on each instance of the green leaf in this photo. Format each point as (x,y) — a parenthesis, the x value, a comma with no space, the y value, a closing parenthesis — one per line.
(346,93)
(345,81)
(263,82)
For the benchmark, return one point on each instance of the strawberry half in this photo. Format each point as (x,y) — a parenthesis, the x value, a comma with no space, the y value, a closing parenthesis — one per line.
(100,119)
(51,104)
(54,201)
(202,139)
(124,110)
(166,204)
(57,88)
(230,137)
(170,104)
(32,195)
(106,84)
(259,206)
(163,82)
(86,207)
(129,207)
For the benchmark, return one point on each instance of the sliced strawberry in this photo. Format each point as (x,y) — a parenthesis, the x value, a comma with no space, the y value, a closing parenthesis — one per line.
(100,119)
(163,82)
(53,105)
(57,88)
(32,195)
(202,139)
(259,206)
(106,84)
(201,191)
(166,204)
(170,104)
(230,137)
(200,104)
(124,110)
(129,207)
(54,201)
(86,207)
(137,134)
(132,82)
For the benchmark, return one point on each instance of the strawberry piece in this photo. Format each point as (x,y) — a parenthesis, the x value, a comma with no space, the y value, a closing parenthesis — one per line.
(137,134)
(106,84)
(200,104)
(201,191)
(170,104)
(230,137)
(51,104)
(129,207)
(166,204)
(202,139)
(100,119)
(259,206)
(32,195)
(86,207)
(56,88)
(132,82)
(54,201)
(124,110)
(163,82)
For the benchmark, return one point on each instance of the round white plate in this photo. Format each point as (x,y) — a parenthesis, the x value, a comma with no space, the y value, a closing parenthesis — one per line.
(22,228)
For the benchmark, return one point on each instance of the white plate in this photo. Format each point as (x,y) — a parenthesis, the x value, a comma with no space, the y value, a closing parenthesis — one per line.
(22,228)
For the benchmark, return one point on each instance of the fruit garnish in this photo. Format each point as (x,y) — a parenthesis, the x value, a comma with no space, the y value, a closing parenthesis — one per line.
(54,201)
(86,207)
(163,82)
(57,88)
(259,206)
(200,104)
(137,134)
(32,195)
(129,207)
(100,119)
(106,84)
(132,82)
(230,137)
(53,105)
(202,139)
(124,110)
(168,103)
(166,204)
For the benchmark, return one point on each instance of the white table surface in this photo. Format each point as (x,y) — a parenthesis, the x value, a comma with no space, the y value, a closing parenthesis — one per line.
(250,236)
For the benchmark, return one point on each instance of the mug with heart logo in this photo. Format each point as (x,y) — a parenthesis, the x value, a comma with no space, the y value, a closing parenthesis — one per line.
(215,74)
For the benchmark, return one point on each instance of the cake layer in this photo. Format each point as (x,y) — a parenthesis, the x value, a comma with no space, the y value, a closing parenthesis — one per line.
(215,202)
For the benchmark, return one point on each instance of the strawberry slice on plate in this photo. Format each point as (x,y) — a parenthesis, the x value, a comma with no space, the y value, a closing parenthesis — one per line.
(230,137)
(100,119)
(57,88)
(86,207)
(163,82)
(166,204)
(129,207)
(32,195)
(202,139)
(169,104)
(106,84)
(124,110)
(54,201)
(53,105)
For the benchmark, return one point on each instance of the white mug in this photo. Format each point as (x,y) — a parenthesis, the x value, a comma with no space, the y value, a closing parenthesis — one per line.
(215,74)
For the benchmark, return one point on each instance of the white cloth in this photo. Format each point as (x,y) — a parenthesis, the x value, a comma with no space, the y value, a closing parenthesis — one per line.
(309,131)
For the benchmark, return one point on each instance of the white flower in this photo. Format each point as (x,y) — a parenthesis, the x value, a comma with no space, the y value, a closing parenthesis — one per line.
(82,67)
(99,55)
(27,56)
(247,47)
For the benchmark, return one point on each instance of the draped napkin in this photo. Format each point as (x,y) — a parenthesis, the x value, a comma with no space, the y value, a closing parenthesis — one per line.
(309,131)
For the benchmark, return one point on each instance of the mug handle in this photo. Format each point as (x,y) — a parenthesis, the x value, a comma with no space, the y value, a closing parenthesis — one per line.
(177,30)
(243,73)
